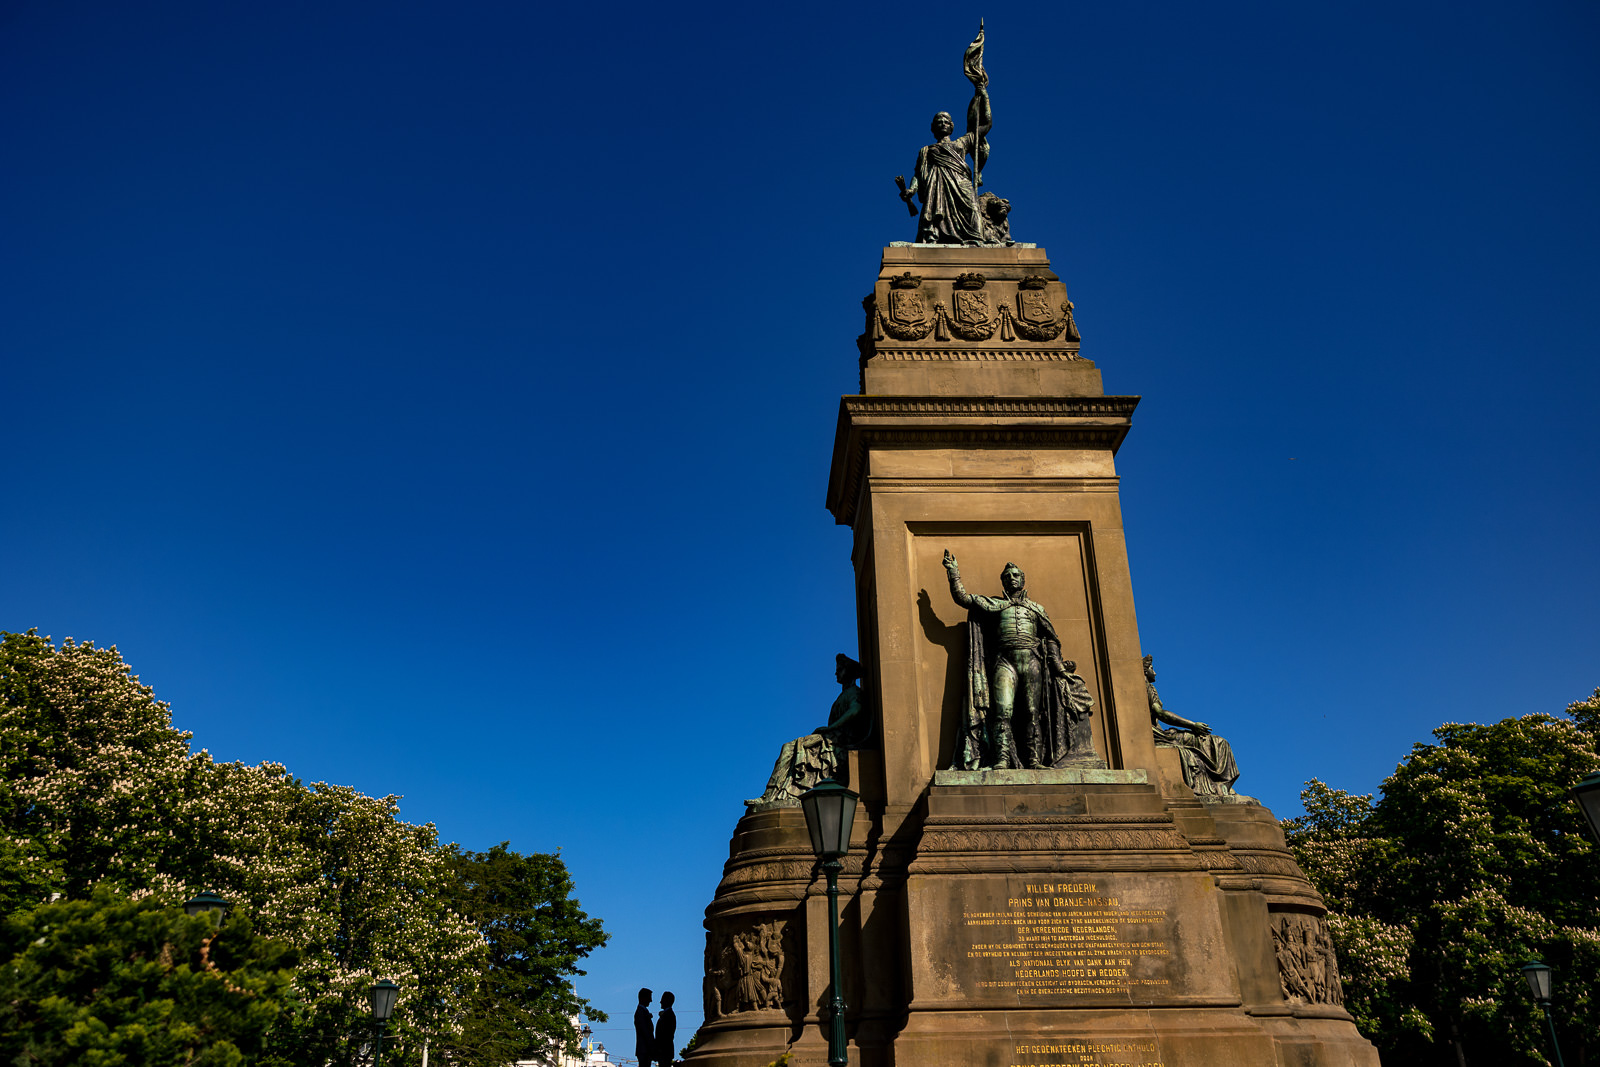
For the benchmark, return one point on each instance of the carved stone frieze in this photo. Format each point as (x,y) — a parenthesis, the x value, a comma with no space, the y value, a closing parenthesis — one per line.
(753,867)
(1308,968)
(1275,863)
(979,309)
(971,355)
(781,871)
(1040,840)
(749,968)
(989,407)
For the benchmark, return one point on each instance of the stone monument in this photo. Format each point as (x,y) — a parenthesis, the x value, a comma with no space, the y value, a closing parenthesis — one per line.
(1037,876)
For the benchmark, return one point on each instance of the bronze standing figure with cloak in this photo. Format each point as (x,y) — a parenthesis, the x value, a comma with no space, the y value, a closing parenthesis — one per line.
(1025,706)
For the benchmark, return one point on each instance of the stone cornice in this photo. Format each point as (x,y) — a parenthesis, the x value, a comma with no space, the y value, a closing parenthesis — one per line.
(869,422)
(990,407)
(981,355)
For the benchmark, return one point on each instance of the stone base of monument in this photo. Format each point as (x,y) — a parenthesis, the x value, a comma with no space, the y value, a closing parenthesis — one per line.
(1033,919)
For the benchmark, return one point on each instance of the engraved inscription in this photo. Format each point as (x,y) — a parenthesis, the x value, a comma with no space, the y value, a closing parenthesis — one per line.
(1056,938)
(1082,1053)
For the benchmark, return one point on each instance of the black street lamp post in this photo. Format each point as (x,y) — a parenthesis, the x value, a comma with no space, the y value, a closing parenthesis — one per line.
(383,996)
(1587,794)
(830,810)
(1539,979)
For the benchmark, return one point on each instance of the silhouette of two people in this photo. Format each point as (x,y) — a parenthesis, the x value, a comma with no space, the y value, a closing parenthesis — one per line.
(653,1043)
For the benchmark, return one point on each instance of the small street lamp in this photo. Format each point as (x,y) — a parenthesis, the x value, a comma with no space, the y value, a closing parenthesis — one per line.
(1587,794)
(207,901)
(383,996)
(1538,974)
(830,810)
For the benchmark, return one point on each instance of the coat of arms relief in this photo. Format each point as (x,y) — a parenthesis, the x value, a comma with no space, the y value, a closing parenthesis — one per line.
(973,313)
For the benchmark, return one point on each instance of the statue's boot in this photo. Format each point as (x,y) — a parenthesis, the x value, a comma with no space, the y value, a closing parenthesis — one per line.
(1004,745)
(1032,754)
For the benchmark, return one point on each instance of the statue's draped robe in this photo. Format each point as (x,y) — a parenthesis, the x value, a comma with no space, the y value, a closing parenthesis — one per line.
(1208,764)
(949,209)
(1064,717)
(807,760)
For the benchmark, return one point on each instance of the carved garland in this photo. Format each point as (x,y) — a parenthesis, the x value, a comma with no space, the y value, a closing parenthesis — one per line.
(1012,325)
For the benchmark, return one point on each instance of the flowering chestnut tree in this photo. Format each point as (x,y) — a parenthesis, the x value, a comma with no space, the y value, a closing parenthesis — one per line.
(98,789)
(1473,861)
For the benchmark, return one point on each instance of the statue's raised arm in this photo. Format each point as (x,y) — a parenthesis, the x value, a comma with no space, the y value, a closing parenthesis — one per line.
(958,592)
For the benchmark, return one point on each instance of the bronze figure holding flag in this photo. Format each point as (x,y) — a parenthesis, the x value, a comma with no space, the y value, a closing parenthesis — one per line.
(943,182)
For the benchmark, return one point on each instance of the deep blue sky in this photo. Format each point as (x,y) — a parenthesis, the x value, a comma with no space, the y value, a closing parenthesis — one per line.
(438,399)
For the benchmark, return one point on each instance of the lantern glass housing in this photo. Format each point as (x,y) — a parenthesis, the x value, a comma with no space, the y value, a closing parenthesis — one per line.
(383,997)
(202,902)
(1587,794)
(1538,975)
(830,811)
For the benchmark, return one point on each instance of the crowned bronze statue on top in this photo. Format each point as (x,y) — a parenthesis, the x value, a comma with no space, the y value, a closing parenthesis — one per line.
(953,213)
(1025,707)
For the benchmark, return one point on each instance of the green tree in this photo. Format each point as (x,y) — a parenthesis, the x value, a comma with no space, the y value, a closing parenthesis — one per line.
(1473,860)
(110,981)
(97,788)
(91,766)
(523,1001)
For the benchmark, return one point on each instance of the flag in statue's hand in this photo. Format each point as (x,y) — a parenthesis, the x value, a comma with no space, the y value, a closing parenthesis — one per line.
(973,61)
(977,111)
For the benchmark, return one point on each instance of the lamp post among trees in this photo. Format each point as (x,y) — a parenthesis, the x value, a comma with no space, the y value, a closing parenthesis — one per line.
(384,993)
(1539,976)
(1587,794)
(207,901)
(830,810)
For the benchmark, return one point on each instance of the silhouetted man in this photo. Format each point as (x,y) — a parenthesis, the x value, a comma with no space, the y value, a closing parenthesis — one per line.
(666,1032)
(643,1031)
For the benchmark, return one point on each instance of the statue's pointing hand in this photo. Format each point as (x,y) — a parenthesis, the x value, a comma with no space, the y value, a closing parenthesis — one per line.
(950,562)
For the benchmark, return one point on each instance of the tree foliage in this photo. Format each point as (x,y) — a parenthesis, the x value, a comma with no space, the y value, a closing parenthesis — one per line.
(523,1001)
(110,981)
(98,789)
(1473,861)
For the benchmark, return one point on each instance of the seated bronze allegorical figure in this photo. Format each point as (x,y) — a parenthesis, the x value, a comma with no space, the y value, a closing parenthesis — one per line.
(807,760)
(1208,764)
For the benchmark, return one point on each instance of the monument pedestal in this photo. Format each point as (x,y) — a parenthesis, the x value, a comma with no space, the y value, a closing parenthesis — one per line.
(1009,918)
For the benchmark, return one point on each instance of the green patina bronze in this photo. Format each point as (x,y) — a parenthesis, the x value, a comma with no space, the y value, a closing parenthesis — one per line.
(807,760)
(1025,706)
